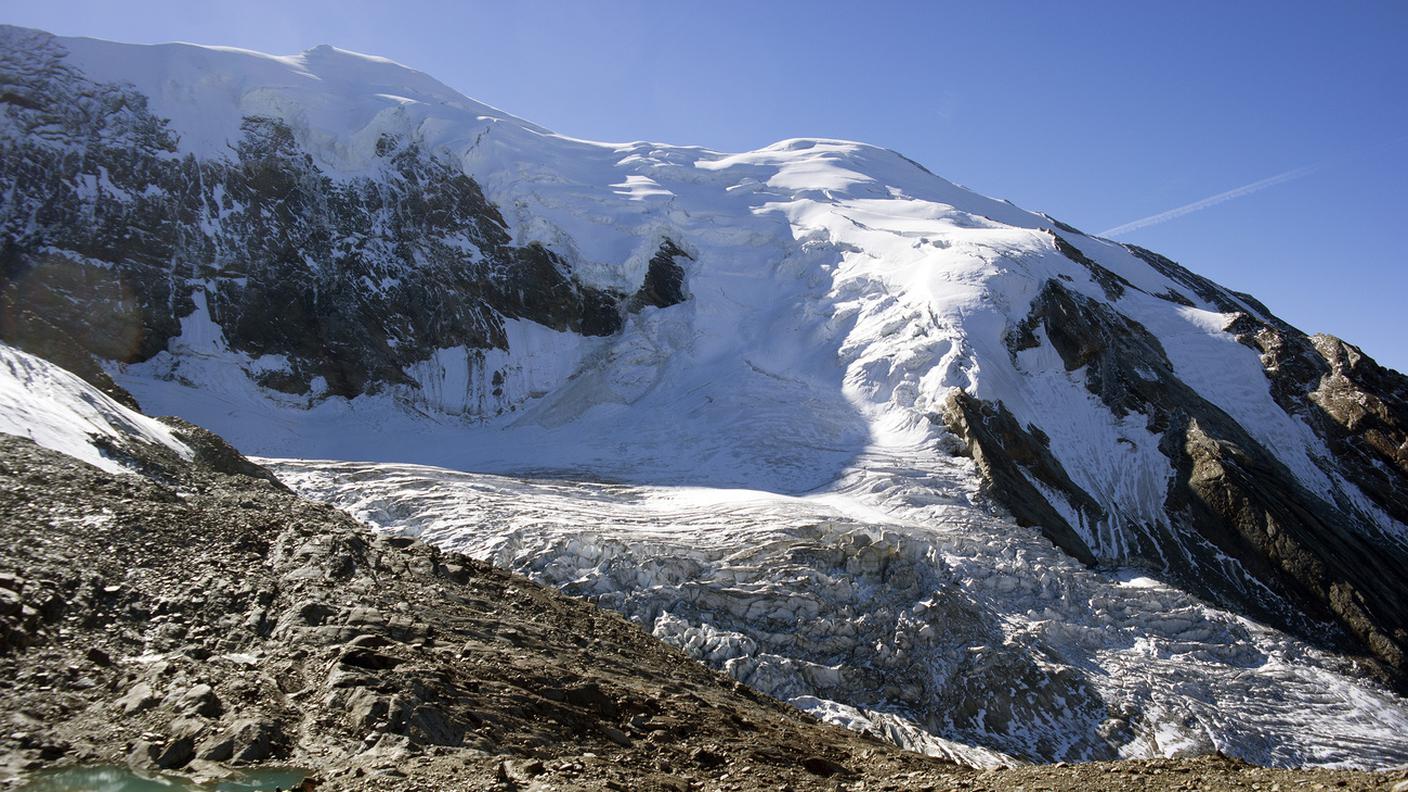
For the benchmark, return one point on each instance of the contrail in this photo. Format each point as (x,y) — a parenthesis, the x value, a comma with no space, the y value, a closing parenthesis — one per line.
(1246,189)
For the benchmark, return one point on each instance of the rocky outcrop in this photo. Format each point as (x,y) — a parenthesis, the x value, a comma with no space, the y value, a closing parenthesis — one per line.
(1359,407)
(109,239)
(1317,566)
(1006,455)
(664,279)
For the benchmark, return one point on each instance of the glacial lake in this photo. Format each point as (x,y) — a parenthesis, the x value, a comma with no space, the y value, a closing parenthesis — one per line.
(116,778)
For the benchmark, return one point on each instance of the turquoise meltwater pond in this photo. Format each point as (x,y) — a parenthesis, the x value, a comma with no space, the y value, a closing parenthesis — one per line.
(115,778)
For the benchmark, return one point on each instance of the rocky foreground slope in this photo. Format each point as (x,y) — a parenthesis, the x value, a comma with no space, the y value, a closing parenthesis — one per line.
(196,618)
(199,618)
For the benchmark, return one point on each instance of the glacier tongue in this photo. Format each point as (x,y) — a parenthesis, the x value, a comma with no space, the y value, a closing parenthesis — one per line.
(889,602)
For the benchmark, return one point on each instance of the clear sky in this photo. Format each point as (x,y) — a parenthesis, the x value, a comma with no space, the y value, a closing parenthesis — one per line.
(1101,114)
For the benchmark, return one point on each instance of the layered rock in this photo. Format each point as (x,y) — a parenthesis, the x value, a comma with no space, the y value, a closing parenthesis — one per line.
(1318,564)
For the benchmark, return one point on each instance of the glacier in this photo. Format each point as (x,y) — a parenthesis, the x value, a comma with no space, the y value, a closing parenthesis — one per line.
(889,597)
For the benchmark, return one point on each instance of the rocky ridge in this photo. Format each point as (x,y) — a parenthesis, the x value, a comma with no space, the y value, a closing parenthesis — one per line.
(1307,563)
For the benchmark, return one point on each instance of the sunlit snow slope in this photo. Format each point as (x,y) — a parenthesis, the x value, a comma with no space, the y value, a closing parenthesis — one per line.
(915,459)
(59,411)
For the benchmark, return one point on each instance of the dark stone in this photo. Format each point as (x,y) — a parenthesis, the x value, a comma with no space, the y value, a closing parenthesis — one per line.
(707,758)
(202,701)
(821,766)
(176,754)
(664,279)
(369,660)
(428,725)
(592,698)
(255,740)
(219,749)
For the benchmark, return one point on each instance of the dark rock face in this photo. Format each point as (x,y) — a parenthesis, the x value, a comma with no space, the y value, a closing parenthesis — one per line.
(108,238)
(664,279)
(1317,566)
(1004,451)
(1113,284)
(1358,406)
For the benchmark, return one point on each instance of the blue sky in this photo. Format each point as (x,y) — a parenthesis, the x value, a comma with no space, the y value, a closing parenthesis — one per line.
(1098,113)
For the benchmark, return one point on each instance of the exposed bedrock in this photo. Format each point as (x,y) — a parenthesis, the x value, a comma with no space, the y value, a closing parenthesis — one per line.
(1240,528)
(109,239)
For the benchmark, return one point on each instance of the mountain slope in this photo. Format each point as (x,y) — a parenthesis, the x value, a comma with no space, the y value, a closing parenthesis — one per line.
(297,651)
(61,412)
(330,255)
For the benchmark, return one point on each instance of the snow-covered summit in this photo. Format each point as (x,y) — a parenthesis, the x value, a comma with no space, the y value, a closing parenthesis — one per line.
(335,97)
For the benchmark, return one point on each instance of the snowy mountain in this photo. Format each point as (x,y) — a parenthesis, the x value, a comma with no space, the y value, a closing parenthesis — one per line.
(909,457)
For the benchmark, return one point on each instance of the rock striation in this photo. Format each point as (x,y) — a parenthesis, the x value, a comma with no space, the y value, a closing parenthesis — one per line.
(1315,563)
